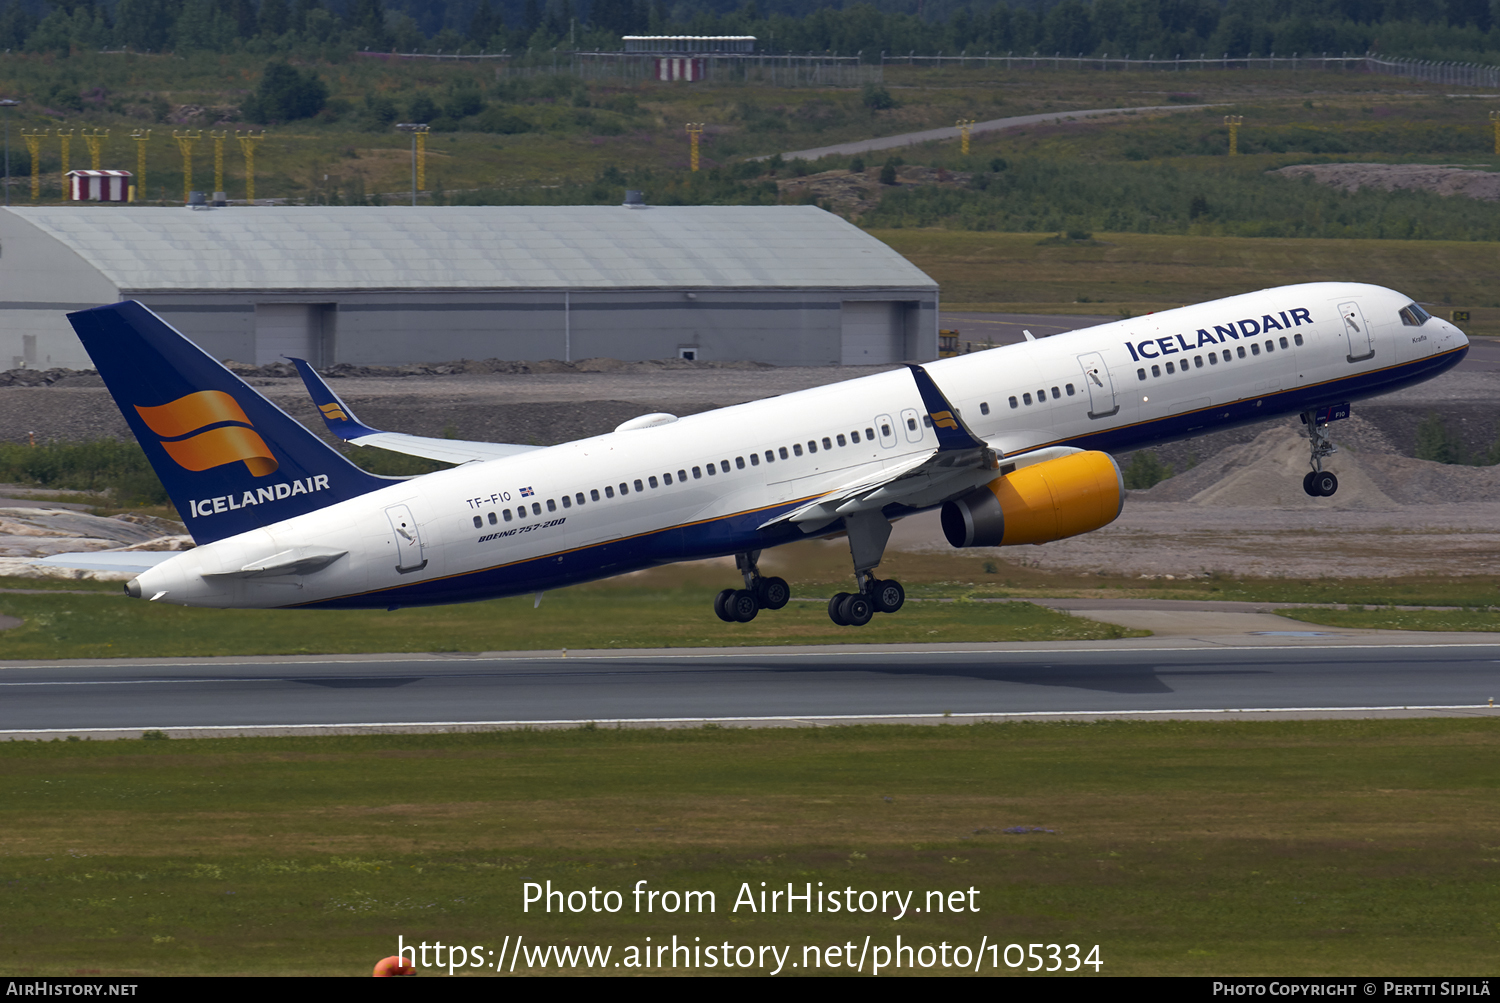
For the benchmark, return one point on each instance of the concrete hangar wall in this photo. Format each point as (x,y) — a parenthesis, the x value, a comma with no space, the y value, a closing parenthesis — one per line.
(786,285)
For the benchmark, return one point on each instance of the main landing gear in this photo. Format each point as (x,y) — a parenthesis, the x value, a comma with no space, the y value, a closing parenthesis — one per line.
(1319,483)
(741,605)
(868,533)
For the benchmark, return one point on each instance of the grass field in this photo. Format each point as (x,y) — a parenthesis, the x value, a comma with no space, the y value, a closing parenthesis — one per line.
(1126,273)
(1400,619)
(1288,848)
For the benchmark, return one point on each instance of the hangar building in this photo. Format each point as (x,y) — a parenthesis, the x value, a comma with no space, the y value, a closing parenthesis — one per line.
(786,285)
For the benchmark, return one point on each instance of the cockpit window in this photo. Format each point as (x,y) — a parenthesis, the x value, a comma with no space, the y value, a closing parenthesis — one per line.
(1414,316)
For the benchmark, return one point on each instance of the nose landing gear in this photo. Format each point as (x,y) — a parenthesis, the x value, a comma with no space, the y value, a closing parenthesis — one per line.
(1319,483)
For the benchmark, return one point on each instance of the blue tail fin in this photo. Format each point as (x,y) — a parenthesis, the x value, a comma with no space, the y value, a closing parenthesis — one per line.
(230,459)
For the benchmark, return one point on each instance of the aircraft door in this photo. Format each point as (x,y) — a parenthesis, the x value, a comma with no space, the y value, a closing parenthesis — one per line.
(887,426)
(406,536)
(911,423)
(1103,401)
(1357,330)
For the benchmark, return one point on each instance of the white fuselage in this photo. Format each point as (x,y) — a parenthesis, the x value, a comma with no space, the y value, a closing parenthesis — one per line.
(648,497)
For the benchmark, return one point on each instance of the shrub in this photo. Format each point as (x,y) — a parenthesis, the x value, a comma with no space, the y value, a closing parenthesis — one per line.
(1144,471)
(285,94)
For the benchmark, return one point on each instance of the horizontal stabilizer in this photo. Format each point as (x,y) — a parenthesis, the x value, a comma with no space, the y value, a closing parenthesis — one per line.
(133,562)
(341,421)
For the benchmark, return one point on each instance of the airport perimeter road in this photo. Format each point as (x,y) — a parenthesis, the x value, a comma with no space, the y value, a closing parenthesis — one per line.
(993,125)
(769,685)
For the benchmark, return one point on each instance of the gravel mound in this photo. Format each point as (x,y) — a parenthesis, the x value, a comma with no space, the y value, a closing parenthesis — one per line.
(1482,185)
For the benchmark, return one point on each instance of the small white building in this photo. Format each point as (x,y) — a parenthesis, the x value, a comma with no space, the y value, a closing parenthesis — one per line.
(99,186)
(787,285)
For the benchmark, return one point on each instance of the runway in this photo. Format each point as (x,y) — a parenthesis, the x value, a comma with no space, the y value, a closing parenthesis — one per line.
(1287,673)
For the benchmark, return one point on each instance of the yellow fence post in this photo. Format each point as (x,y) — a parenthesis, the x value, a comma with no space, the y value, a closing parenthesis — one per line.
(140,136)
(218,138)
(694,131)
(247,147)
(185,141)
(34,147)
(1234,122)
(964,126)
(67,142)
(95,143)
(421,158)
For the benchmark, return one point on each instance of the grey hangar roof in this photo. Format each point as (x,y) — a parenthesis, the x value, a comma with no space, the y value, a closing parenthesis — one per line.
(475,247)
(788,285)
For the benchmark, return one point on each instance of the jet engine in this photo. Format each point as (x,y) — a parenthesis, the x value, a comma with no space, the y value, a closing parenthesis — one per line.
(1045,501)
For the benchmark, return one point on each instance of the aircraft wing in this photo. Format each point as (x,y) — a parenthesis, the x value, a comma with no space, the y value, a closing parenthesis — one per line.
(341,421)
(962,462)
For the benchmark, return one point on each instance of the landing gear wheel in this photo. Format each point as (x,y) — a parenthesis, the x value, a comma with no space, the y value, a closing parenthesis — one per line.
(742,606)
(887,596)
(857,610)
(773,593)
(1325,483)
(721,605)
(1307,483)
(836,609)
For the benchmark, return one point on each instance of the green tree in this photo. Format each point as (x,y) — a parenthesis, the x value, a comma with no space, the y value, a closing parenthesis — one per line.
(1436,443)
(284,95)
(1144,471)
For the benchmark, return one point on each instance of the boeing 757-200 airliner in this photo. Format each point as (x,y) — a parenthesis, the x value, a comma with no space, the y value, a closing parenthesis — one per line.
(1013,444)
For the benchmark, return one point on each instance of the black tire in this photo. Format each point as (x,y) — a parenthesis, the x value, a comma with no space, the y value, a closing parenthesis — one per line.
(888,596)
(743,606)
(721,606)
(773,593)
(1326,484)
(857,610)
(1307,483)
(836,608)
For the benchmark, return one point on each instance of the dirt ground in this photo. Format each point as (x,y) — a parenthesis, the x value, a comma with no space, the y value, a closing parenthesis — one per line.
(1483,185)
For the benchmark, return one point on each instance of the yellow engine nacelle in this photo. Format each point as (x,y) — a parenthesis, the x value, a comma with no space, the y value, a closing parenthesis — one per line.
(1046,501)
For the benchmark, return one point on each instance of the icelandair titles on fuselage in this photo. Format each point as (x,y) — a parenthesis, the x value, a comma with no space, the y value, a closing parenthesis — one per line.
(271,492)
(1247,328)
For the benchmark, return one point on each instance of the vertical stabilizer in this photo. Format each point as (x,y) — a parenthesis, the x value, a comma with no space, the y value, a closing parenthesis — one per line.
(230,459)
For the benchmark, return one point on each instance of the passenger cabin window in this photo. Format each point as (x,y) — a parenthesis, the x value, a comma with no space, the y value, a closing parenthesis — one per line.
(812,447)
(770,456)
(682,476)
(650,480)
(697,473)
(1297,339)
(609,492)
(1283,343)
(927,420)
(1056,395)
(493,519)
(638,488)
(712,470)
(1240,351)
(782,451)
(1012,402)
(1170,370)
(724,466)
(842,441)
(1069,389)
(1140,374)
(1026,399)
(579,497)
(1213,358)
(797,449)
(1270,347)
(505,515)
(885,430)
(478,522)
(984,407)
(739,462)
(755,459)
(1254,349)
(594,494)
(1156,370)
(625,488)
(854,437)
(666,478)
(521,511)
(567,502)
(911,424)
(870,434)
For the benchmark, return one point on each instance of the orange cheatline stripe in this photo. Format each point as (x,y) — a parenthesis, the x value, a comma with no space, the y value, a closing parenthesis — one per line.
(219,446)
(186,414)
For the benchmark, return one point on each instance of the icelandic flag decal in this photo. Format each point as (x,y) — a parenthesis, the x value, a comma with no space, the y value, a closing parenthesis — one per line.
(527,492)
